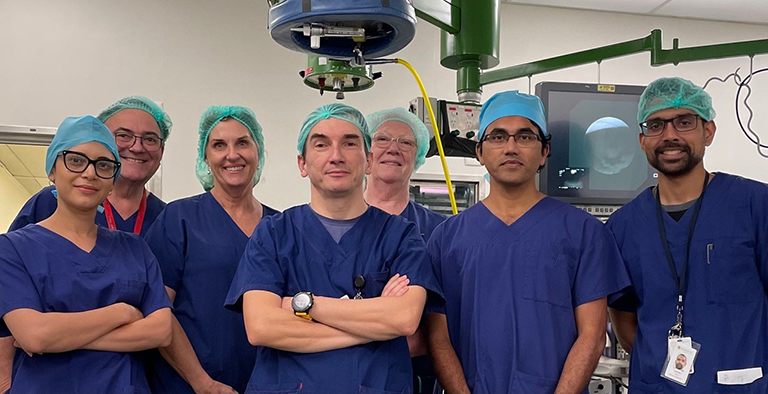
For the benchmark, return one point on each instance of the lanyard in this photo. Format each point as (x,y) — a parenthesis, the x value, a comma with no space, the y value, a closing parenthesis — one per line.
(139,217)
(677,329)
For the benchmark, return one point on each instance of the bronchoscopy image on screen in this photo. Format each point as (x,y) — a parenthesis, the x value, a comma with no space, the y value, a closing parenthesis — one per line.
(595,148)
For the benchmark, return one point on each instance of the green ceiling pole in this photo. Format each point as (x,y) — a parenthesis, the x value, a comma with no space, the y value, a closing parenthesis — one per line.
(474,47)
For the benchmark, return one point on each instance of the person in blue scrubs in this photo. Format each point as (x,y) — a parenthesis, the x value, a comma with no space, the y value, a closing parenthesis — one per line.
(331,289)
(525,276)
(715,226)
(399,145)
(80,299)
(140,128)
(198,242)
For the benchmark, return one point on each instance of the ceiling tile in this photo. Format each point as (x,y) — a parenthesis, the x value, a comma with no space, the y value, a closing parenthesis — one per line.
(29,183)
(32,157)
(43,182)
(12,162)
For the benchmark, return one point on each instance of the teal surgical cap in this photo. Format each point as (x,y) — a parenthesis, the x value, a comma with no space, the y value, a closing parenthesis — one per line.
(144,104)
(376,119)
(76,131)
(665,93)
(512,103)
(210,118)
(338,111)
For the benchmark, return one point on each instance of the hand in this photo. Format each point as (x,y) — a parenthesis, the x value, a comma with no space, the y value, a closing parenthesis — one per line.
(287,304)
(211,386)
(396,286)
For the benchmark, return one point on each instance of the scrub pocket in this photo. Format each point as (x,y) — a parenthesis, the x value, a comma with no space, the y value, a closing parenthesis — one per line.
(547,277)
(130,292)
(274,388)
(524,383)
(732,273)
(374,284)
(368,390)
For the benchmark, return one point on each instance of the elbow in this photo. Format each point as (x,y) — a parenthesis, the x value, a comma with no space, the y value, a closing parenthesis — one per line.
(165,336)
(408,325)
(163,329)
(257,332)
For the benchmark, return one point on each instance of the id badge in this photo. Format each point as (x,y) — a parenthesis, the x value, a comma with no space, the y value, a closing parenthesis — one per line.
(681,355)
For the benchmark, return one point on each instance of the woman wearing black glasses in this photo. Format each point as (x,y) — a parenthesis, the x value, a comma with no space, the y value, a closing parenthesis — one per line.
(79,299)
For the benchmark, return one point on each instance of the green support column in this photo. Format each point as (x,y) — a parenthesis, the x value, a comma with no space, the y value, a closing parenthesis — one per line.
(475,47)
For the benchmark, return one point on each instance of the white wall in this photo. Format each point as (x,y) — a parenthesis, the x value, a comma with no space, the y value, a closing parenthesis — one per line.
(75,57)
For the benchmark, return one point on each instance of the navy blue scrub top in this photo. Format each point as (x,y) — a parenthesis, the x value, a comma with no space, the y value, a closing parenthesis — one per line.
(43,271)
(43,204)
(726,302)
(198,246)
(292,252)
(425,219)
(510,291)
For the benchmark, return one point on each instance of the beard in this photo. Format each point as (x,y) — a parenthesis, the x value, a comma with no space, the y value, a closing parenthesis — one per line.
(676,168)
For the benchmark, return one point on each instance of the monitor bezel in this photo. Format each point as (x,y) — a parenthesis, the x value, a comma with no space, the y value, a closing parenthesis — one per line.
(543,89)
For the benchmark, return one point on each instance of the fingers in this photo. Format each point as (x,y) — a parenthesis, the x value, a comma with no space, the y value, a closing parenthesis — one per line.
(396,286)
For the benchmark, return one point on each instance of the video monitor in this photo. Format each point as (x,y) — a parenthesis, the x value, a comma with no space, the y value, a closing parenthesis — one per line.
(595,157)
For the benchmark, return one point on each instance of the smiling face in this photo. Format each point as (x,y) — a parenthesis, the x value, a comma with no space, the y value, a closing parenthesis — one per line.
(84,191)
(139,164)
(512,165)
(232,154)
(335,160)
(389,162)
(673,153)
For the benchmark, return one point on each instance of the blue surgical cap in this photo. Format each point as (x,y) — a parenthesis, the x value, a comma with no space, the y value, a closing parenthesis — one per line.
(401,115)
(512,103)
(210,118)
(665,93)
(144,104)
(75,131)
(338,111)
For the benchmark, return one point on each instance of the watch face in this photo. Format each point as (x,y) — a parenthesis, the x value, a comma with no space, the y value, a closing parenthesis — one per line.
(301,302)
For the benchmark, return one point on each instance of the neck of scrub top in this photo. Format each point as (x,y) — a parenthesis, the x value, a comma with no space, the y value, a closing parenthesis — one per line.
(71,220)
(236,200)
(391,198)
(512,201)
(336,207)
(682,189)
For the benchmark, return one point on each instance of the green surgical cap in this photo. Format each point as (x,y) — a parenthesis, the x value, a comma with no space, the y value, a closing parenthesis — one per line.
(338,111)
(418,128)
(210,118)
(144,104)
(665,93)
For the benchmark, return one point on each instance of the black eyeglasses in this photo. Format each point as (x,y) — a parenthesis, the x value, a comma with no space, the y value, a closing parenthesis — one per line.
(522,139)
(681,123)
(151,143)
(78,163)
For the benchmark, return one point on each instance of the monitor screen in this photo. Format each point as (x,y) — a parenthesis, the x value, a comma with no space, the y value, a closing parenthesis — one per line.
(595,156)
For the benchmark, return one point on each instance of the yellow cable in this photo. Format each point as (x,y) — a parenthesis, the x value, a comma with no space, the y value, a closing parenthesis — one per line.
(437,133)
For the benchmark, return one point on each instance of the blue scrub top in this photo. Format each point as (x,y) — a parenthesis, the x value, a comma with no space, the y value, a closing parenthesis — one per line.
(726,303)
(510,291)
(43,271)
(198,246)
(425,220)
(43,204)
(292,252)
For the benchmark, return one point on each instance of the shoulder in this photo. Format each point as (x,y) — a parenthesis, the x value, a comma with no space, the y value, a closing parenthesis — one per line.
(628,213)
(744,185)
(268,211)
(177,207)
(155,201)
